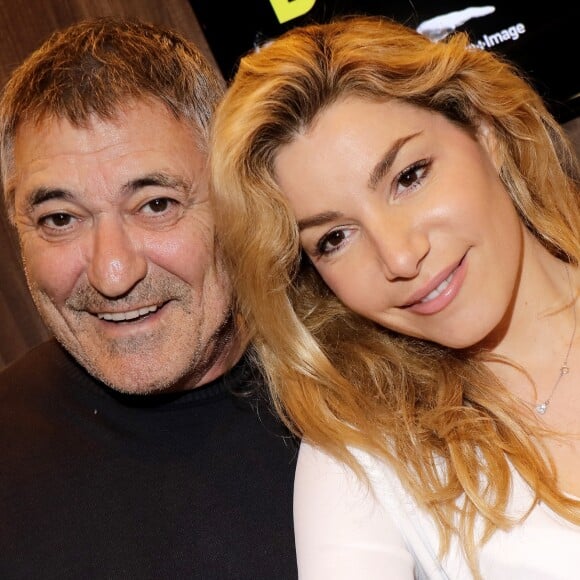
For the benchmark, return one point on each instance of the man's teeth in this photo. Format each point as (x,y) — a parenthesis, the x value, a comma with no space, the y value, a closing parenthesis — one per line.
(119,316)
(433,294)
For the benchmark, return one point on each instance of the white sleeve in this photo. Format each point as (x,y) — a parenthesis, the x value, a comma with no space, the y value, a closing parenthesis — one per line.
(342,532)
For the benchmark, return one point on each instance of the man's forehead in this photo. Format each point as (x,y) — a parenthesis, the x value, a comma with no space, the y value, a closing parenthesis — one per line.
(117,116)
(144,141)
(143,124)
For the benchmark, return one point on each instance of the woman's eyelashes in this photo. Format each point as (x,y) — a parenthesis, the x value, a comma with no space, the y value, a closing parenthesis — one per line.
(411,177)
(331,242)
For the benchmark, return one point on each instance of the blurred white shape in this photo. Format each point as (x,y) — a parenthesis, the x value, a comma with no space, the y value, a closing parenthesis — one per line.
(439,27)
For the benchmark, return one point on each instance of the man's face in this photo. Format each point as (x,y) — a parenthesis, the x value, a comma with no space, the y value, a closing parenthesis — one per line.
(117,238)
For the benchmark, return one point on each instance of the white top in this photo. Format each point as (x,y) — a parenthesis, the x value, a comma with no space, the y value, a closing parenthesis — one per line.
(346,532)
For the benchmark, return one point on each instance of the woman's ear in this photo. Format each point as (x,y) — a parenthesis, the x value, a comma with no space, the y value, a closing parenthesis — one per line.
(487,137)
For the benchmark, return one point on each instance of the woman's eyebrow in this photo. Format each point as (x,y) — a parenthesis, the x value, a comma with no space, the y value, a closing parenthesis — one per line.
(319,219)
(387,160)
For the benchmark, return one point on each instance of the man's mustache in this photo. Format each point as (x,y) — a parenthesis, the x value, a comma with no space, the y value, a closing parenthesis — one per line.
(147,292)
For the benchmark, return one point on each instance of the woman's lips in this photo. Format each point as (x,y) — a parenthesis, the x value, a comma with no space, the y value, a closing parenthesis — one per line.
(440,291)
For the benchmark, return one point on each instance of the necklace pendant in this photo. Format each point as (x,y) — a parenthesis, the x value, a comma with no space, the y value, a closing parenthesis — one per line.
(542,407)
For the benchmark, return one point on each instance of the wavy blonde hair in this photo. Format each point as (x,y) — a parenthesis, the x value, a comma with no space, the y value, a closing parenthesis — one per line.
(339,380)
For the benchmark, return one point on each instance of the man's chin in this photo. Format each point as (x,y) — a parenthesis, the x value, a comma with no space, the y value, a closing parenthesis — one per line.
(136,375)
(136,388)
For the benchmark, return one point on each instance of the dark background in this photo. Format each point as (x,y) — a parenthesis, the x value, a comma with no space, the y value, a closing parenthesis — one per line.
(227,30)
(547,51)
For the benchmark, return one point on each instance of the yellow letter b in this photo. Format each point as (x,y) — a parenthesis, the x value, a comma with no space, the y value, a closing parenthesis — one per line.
(289,9)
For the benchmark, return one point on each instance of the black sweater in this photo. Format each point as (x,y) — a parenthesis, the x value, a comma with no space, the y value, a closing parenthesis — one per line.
(95,484)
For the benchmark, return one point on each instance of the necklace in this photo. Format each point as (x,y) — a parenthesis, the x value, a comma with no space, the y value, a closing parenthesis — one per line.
(541,408)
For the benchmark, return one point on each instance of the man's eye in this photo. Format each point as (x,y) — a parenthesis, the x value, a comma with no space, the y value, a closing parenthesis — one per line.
(158,205)
(56,220)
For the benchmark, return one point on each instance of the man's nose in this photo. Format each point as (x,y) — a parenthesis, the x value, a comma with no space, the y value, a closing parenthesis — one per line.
(116,261)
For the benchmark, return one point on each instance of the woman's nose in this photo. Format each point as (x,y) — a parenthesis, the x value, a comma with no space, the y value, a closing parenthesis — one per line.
(401,246)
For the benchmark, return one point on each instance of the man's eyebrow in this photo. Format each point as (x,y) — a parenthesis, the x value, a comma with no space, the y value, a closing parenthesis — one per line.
(43,194)
(158,180)
(387,160)
(319,219)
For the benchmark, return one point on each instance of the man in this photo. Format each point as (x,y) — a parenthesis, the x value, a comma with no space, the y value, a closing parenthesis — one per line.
(139,443)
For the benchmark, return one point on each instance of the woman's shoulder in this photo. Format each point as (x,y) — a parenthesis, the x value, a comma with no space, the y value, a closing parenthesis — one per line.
(335,506)
(319,464)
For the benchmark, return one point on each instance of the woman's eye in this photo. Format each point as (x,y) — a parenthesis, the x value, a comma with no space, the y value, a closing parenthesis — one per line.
(331,242)
(411,177)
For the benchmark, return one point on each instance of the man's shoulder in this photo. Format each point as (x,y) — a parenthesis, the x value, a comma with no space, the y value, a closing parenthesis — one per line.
(35,368)
(249,390)
(249,393)
(44,350)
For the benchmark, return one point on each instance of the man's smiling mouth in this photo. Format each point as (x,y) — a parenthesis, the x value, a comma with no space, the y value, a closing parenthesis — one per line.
(129,315)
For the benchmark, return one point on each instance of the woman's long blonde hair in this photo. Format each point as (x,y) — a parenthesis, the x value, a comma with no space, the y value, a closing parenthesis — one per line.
(339,380)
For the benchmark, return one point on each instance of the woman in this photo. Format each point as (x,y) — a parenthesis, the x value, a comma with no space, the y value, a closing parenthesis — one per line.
(401,219)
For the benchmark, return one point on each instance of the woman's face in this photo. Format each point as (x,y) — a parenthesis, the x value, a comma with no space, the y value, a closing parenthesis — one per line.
(405,217)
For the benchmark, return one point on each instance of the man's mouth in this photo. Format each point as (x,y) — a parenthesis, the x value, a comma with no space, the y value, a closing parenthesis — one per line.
(129,315)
